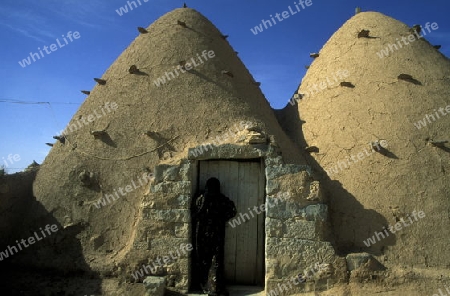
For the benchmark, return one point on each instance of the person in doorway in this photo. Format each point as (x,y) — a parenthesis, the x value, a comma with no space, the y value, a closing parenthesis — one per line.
(211,211)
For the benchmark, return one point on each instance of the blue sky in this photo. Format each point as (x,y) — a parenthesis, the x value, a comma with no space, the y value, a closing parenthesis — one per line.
(276,57)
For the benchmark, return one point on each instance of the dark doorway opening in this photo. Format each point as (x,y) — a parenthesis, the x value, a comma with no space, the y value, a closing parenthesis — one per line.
(243,181)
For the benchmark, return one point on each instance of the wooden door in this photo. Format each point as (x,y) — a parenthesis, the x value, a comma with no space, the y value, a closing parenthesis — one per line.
(243,182)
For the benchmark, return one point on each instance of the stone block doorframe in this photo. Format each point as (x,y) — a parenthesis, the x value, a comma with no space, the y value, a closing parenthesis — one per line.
(294,224)
(243,181)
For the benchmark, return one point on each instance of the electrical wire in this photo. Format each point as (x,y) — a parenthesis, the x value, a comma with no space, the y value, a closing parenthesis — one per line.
(35,103)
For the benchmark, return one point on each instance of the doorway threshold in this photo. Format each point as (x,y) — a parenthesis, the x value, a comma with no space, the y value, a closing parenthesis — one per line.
(241,291)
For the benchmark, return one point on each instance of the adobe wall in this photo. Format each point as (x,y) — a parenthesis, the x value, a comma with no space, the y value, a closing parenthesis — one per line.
(16,197)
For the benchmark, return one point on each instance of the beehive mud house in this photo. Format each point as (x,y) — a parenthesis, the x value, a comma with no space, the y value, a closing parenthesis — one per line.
(153,154)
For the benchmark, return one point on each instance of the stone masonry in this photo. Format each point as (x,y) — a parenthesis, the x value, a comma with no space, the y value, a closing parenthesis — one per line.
(296,227)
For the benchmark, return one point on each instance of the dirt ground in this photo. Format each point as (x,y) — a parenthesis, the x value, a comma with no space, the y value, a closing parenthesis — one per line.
(400,282)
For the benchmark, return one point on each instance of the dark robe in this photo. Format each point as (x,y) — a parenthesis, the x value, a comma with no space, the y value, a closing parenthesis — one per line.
(210,212)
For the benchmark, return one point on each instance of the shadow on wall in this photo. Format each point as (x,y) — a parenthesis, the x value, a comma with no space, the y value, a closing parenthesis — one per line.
(38,266)
(351,224)
(16,195)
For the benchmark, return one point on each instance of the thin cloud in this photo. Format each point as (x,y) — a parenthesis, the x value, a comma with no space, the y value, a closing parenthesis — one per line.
(25,22)
(40,21)
(22,31)
(89,14)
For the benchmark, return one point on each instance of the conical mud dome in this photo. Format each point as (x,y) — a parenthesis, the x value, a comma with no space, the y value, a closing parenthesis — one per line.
(129,123)
(381,100)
